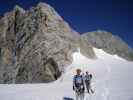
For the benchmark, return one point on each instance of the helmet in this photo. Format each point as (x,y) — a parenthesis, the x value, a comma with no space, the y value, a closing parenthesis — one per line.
(78,71)
(87,72)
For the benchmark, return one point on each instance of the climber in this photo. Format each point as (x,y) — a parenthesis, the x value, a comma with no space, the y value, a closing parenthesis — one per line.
(78,85)
(88,78)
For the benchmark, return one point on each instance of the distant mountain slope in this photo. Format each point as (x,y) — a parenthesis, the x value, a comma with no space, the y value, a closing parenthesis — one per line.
(110,43)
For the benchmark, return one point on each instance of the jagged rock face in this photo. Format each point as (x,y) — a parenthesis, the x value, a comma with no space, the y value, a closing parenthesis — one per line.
(36,45)
(109,43)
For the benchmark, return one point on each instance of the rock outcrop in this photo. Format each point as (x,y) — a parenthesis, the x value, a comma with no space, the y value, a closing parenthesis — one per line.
(109,43)
(36,45)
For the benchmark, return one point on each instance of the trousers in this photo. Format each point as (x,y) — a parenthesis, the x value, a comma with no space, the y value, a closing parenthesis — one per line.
(79,96)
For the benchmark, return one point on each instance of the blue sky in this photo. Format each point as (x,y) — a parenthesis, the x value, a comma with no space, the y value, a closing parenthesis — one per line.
(115,16)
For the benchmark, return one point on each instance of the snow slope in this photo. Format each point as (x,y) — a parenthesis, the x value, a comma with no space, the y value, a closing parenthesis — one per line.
(112,80)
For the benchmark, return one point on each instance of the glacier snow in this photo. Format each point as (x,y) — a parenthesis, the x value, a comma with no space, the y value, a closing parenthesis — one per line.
(112,80)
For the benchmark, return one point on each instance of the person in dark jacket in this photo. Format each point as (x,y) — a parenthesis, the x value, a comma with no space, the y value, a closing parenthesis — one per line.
(78,85)
(88,78)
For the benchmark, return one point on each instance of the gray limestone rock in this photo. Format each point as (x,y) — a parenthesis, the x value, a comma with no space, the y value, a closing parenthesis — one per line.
(36,45)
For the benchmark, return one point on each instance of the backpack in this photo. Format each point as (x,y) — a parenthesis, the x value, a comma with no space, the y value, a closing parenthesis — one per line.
(78,83)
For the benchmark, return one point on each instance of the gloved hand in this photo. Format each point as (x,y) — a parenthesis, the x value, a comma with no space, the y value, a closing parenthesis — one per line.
(76,90)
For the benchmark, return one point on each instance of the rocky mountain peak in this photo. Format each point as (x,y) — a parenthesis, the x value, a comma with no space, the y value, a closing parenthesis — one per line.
(19,9)
(36,45)
(110,43)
